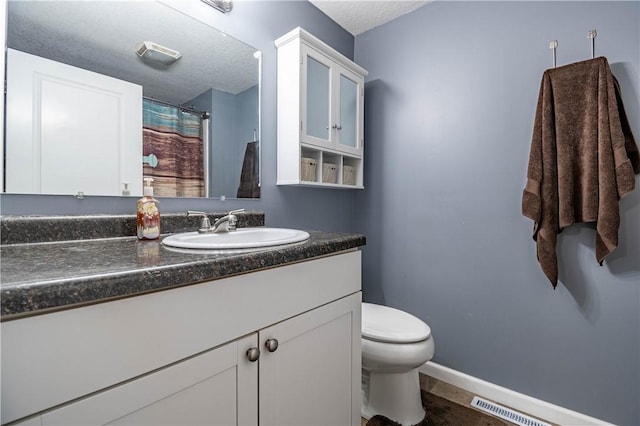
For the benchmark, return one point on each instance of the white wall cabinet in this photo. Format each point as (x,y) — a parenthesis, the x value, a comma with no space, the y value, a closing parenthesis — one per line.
(180,356)
(320,114)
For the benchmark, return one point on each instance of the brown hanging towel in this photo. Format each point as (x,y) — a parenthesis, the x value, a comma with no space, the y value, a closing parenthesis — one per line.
(581,158)
(250,175)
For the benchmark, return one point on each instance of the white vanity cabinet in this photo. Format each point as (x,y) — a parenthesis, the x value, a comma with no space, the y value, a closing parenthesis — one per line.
(182,356)
(320,114)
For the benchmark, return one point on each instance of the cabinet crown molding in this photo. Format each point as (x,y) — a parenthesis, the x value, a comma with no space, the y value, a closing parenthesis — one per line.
(316,43)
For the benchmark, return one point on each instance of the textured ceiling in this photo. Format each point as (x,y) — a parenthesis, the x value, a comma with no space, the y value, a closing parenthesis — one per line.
(101,36)
(358,16)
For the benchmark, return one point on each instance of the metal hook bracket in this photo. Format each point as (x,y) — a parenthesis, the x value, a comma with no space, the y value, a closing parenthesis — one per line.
(591,35)
(553,46)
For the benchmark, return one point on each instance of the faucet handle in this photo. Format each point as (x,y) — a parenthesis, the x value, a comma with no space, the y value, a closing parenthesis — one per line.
(205,225)
(233,220)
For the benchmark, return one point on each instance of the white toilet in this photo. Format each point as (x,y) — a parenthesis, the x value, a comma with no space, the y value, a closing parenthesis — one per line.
(394,345)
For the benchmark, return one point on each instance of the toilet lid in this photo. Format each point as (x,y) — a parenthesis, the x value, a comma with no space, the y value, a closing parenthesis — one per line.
(386,324)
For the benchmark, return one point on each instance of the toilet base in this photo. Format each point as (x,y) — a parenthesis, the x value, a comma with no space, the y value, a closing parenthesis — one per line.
(393,395)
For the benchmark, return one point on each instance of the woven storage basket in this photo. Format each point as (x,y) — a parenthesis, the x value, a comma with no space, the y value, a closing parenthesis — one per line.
(329,173)
(348,175)
(308,169)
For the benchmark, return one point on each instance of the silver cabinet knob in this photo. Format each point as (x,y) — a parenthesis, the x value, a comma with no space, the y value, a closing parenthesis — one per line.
(271,345)
(253,354)
(337,127)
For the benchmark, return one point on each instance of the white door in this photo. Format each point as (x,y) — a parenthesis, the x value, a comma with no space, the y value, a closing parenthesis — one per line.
(217,388)
(69,130)
(313,375)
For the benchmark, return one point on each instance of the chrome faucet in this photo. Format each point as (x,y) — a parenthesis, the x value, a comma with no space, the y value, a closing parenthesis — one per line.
(226,223)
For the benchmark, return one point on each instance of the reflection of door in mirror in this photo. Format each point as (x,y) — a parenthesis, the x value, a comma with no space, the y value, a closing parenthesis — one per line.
(68,127)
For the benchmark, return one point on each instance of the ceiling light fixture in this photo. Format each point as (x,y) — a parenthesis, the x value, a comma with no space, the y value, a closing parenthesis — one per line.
(157,53)
(223,6)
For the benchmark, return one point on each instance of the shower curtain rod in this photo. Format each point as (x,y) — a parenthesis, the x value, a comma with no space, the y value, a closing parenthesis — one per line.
(205,114)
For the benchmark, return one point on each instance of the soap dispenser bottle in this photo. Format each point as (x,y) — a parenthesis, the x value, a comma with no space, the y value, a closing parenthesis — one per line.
(148,217)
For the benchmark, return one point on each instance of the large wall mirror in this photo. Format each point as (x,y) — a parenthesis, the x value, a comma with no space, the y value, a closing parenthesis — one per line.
(101,94)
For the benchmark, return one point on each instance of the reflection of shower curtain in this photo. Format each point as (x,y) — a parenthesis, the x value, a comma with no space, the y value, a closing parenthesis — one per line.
(250,175)
(174,136)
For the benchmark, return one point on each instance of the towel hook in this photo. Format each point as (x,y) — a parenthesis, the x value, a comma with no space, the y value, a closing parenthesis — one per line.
(591,35)
(553,45)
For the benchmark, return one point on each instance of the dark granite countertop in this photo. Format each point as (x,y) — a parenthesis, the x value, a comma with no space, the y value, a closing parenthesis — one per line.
(40,277)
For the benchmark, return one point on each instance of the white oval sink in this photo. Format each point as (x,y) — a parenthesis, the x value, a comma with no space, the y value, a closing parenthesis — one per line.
(242,238)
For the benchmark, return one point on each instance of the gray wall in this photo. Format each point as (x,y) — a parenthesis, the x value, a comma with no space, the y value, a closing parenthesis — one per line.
(450,101)
(231,126)
(257,23)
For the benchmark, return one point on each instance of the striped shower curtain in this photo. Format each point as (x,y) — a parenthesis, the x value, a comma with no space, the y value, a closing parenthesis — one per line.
(174,137)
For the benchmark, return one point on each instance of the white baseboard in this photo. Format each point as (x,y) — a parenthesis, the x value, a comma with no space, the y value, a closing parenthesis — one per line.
(518,401)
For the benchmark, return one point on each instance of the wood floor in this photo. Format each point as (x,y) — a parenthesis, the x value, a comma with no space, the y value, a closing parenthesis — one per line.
(450,393)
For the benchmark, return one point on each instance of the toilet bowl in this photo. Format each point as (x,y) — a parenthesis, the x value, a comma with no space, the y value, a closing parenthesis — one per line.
(394,345)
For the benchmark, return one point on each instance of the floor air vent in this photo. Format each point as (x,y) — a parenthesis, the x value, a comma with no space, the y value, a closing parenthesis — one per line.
(506,413)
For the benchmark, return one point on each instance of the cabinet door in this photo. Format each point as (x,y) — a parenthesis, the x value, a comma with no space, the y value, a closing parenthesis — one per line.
(332,104)
(33,421)
(315,102)
(313,377)
(218,387)
(349,112)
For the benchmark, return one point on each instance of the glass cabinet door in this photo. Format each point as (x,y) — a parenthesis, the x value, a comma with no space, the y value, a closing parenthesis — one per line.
(316,128)
(348,131)
(332,104)
(348,127)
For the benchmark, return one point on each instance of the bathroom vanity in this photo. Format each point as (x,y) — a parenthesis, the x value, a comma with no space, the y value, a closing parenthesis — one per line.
(269,337)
